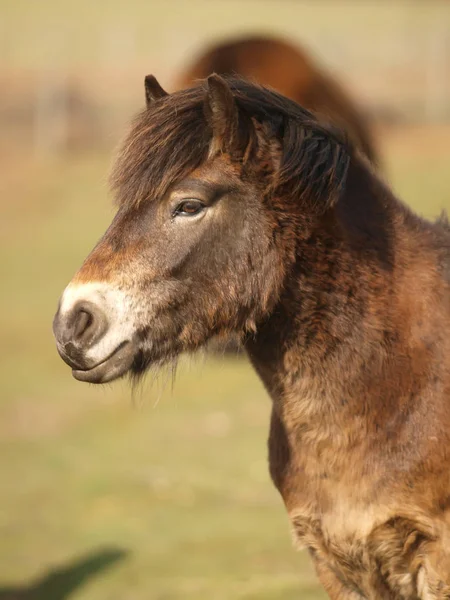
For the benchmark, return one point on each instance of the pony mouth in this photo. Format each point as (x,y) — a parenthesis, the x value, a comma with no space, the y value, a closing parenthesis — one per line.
(112,367)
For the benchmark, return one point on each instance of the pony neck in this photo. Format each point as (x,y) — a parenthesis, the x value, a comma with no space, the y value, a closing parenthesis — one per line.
(335,343)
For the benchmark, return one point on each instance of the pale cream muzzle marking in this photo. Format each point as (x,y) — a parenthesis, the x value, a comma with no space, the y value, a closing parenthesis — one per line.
(94,331)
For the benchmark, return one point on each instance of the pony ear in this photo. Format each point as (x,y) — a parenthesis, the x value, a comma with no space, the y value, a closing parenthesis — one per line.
(153,91)
(221,113)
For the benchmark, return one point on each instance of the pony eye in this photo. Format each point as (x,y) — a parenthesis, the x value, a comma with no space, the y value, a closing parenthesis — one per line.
(189,208)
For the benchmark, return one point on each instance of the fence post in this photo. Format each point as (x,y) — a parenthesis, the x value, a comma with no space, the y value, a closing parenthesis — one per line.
(436,87)
(51,113)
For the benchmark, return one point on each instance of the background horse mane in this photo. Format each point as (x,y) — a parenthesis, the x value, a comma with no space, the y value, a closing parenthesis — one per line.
(314,156)
(278,64)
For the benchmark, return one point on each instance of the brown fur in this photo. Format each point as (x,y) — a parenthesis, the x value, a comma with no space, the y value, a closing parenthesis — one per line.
(279,64)
(341,296)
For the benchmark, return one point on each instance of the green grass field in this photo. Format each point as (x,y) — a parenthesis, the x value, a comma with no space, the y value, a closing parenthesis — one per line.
(160,495)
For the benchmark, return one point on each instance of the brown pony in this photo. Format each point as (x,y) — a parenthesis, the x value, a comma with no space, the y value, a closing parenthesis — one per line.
(278,64)
(238,212)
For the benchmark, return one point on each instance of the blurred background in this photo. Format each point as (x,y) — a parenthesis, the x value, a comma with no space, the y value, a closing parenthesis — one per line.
(162,493)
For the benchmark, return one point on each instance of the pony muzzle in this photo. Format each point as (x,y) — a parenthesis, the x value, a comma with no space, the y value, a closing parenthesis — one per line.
(90,335)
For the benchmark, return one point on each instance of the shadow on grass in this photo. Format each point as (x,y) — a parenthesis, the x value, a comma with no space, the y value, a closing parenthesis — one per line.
(59,583)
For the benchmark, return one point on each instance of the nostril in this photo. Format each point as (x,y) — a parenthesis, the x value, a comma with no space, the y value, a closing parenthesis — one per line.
(86,324)
(80,327)
(83,321)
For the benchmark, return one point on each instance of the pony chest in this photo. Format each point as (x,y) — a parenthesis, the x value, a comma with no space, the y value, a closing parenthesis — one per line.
(339,536)
(342,525)
(368,549)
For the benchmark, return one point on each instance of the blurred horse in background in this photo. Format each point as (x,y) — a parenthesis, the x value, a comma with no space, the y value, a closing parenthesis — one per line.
(278,64)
